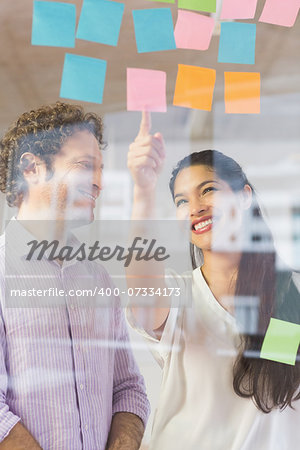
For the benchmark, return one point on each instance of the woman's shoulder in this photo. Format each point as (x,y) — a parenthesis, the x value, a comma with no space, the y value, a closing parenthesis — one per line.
(174,278)
(184,286)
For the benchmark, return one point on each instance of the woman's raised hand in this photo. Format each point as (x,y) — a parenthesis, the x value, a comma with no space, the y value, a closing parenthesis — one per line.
(146,156)
(145,161)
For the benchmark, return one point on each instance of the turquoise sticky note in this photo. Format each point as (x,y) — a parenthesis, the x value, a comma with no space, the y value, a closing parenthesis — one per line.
(198,5)
(83,78)
(237,43)
(100,21)
(281,342)
(153,29)
(53,24)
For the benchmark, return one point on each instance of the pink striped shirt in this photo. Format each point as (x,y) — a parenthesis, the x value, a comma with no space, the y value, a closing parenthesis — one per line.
(65,367)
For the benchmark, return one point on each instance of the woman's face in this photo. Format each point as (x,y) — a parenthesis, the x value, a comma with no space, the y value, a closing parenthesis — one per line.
(214,210)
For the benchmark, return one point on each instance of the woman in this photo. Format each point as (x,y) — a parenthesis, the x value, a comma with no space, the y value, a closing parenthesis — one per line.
(217,391)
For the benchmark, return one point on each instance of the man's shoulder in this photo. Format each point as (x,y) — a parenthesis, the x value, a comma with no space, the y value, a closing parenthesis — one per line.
(2,261)
(99,271)
(2,249)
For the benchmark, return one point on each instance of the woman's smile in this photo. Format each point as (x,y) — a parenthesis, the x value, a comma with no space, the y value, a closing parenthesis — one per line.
(202,225)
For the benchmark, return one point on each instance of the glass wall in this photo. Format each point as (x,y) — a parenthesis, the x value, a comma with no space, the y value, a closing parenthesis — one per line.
(263,136)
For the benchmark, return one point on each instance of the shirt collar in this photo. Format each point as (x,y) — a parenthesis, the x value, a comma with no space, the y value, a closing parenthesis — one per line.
(17,238)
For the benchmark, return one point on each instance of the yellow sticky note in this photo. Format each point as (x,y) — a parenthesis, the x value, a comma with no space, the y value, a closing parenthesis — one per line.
(242,92)
(194,87)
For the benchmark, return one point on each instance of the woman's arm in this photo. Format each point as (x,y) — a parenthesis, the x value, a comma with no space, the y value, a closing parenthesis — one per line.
(145,161)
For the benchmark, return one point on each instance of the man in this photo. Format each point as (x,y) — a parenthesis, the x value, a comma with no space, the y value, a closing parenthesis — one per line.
(68,379)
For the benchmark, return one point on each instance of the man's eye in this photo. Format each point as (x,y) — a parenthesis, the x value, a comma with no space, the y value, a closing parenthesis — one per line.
(180,202)
(86,164)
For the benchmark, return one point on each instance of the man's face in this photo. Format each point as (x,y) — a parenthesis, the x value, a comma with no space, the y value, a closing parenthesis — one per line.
(71,192)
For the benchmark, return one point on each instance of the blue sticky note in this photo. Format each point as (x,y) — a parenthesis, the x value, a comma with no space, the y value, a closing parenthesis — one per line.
(83,78)
(53,24)
(237,43)
(100,21)
(153,29)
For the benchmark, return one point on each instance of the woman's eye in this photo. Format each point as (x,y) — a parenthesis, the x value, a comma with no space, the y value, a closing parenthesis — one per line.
(180,202)
(209,189)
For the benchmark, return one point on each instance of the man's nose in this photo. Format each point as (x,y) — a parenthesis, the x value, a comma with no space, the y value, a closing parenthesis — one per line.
(97,180)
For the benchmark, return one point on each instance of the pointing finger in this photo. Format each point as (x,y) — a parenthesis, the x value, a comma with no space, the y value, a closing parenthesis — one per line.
(145,125)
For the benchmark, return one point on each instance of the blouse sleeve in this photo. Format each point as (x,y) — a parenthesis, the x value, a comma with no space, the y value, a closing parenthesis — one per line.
(161,348)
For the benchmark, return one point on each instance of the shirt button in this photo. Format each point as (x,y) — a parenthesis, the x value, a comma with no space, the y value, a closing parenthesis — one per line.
(72,306)
(86,427)
(81,386)
(78,347)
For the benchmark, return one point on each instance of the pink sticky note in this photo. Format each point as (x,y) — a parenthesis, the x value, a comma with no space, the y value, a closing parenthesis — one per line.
(238,9)
(146,90)
(280,12)
(193,31)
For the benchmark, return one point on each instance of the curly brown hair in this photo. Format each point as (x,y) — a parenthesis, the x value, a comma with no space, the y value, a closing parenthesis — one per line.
(43,132)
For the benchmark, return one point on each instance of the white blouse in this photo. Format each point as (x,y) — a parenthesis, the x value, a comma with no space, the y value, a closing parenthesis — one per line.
(198,408)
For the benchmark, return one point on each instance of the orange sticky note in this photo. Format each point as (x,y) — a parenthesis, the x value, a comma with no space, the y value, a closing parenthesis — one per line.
(242,92)
(194,87)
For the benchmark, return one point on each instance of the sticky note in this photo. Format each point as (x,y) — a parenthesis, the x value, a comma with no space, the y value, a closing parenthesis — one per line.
(53,24)
(281,342)
(153,29)
(237,43)
(242,92)
(193,31)
(198,5)
(238,9)
(164,1)
(146,90)
(280,12)
(194,87)
(83,78)
(100,21)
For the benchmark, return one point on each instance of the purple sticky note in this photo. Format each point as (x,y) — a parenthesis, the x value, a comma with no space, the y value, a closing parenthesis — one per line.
(193,31)
(146,90)
(238,9)
(280,12)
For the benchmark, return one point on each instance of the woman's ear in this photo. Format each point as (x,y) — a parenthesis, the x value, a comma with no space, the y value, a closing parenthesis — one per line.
(247,196)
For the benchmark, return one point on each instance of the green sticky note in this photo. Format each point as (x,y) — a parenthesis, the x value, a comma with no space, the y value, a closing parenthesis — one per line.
(281,342)
(198,5)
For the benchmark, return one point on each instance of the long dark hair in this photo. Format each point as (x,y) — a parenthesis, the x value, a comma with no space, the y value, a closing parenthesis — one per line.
(270,384)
